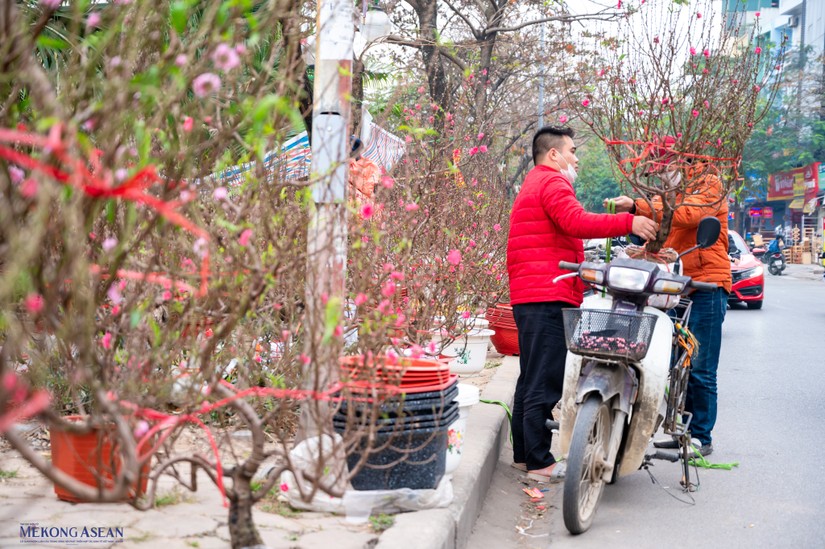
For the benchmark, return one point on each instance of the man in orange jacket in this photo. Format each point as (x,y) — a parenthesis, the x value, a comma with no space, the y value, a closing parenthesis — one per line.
(703,197)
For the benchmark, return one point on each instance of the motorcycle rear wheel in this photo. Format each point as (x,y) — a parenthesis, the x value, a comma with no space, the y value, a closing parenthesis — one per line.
(774,270)
(586,462)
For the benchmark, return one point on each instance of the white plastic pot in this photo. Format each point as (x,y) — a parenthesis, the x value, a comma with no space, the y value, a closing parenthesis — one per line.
(468,352)
(468,396)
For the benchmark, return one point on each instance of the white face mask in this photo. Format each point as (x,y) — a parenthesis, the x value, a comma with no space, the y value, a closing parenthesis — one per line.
(569,172)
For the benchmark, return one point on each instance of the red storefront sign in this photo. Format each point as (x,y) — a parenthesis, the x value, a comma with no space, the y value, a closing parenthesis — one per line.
(801,183)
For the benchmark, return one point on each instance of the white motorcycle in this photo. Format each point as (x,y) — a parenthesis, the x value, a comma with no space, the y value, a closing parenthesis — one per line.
(626,375)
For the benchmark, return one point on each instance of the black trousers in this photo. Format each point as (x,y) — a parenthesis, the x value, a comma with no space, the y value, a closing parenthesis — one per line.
(542,351)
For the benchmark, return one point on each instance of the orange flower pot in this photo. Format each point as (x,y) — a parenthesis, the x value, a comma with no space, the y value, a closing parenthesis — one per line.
(91,458)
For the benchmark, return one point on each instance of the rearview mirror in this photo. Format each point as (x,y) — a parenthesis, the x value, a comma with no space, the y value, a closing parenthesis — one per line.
(708,232)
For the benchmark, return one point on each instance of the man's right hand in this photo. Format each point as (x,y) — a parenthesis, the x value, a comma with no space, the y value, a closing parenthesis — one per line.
(645,227)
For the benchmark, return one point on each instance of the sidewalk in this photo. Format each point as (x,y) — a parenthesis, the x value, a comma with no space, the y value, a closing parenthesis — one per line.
(809,272)
(199,519)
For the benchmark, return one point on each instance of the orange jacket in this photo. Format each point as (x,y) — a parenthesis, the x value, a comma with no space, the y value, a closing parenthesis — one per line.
(705,198)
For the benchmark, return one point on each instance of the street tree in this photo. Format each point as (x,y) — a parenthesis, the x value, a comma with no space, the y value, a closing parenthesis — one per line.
(153,246)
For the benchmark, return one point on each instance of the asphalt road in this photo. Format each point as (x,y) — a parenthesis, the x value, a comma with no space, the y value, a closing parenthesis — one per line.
(771,421)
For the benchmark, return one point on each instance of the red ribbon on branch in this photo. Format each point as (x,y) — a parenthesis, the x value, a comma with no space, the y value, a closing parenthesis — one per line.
(163,423)
(655,152)
(97,183)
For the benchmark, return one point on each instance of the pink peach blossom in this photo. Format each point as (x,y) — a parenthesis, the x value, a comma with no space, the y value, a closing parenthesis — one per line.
(225,57)
(454,257)
(367,211)
(206,84)
(109,244)
(243,240)
(16,174)
(141,428)
(757,50)
(585,103)
(188,124)
(34,303)
(360,299)
(562,119)
(692,51)
(497,227)
(93,21)
(411,207)
(107,340)
(29,188)
(114,295)
(220,193)
(388,289)
(695,113)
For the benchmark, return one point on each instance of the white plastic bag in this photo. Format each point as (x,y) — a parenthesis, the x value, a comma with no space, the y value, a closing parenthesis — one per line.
(357,505)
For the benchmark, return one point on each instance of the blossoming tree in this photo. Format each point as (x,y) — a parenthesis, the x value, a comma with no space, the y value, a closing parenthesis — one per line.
(685,81)
(150,289)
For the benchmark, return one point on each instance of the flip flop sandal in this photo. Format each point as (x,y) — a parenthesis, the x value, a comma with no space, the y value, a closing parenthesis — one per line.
(556,475)
(520,466)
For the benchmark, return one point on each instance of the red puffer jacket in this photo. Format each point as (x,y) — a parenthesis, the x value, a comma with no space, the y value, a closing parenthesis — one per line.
(547,224)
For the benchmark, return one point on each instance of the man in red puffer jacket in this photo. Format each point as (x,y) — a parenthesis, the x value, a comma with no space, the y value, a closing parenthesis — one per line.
(547,225)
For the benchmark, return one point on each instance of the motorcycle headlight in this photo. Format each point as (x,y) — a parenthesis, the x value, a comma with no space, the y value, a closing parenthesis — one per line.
(752,272)
(624,278)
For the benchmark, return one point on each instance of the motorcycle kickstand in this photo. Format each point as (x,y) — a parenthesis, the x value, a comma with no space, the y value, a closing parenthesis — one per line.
(684,444)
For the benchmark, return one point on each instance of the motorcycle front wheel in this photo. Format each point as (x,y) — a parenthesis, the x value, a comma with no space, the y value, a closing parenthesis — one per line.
(586,462)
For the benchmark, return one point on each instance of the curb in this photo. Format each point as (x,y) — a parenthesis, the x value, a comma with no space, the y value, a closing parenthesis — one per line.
(487,431)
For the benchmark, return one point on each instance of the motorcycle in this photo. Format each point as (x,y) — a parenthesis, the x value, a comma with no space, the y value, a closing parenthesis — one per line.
(623,379)
(774,257)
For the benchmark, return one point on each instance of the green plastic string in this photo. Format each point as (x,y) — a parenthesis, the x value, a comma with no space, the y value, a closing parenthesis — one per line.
(700,461)
(506,410)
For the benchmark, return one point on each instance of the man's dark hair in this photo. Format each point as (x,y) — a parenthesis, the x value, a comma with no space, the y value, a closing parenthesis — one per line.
(549,137)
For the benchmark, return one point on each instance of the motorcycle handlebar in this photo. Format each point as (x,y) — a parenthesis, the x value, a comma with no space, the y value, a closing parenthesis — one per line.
(568,266)
(703,286)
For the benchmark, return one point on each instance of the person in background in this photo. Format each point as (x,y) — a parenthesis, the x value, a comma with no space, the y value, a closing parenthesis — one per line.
(364,174)
(704,197)
(547,225)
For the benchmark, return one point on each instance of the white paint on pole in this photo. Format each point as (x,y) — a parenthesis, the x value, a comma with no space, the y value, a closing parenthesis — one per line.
(336,30)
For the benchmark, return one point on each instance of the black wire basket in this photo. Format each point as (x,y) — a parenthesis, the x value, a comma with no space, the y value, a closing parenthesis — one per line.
(609,334)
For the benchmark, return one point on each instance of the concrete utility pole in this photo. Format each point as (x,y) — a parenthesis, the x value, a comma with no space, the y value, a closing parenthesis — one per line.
(541,79)
(327,234)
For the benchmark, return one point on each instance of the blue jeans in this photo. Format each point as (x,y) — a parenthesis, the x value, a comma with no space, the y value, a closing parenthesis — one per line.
(706,318)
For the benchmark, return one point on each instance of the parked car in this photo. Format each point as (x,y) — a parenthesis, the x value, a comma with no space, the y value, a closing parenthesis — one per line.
(748,273)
